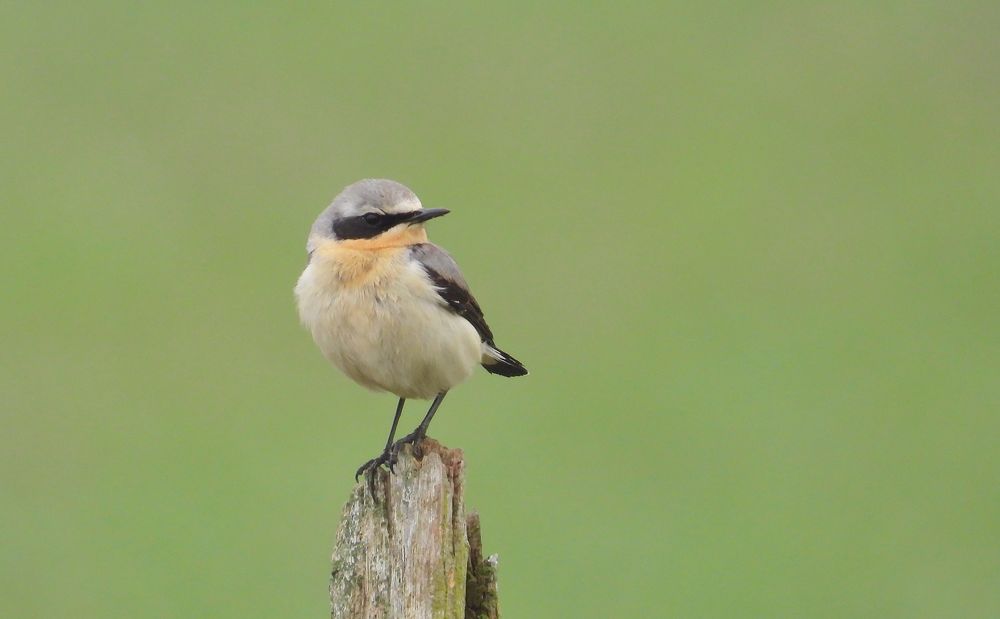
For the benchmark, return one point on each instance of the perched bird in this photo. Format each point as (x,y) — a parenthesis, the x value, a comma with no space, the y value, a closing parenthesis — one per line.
(390,309)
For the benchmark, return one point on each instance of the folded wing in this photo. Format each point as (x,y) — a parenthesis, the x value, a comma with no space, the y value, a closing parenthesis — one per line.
(455,295)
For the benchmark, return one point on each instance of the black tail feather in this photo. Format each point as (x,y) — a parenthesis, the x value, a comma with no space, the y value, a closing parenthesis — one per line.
(502,364)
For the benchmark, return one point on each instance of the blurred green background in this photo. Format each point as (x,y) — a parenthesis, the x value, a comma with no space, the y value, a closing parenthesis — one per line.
(749,252)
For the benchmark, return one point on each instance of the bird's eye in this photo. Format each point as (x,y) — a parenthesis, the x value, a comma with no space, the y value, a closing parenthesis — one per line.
(372,219)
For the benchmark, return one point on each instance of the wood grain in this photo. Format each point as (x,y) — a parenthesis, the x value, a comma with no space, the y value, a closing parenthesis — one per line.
(411,551)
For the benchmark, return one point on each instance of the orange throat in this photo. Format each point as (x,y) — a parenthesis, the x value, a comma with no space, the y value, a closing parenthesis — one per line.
(354,262)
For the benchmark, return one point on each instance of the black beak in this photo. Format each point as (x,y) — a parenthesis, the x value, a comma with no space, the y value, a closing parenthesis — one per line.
(425,214)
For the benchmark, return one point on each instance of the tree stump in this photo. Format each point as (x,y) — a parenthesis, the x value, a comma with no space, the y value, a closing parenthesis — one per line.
(411,552)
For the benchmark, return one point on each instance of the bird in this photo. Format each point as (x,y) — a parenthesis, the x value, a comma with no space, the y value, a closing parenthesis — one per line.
(390,309)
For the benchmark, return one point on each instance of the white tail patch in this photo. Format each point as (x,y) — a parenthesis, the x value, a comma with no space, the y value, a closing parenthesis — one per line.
(491,355)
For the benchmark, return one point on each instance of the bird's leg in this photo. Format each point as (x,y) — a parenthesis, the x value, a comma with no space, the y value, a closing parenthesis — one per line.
(387,456)
(392,432)
(420,432)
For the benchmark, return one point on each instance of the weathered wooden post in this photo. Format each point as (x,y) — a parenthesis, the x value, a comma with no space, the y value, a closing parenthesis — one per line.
(412,552)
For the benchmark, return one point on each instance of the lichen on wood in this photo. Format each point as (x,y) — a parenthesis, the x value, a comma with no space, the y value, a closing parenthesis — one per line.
(410,551)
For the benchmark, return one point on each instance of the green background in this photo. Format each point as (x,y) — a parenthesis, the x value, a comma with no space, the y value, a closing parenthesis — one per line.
(749,253)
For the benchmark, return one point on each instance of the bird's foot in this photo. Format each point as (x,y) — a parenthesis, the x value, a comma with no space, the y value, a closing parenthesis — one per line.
(413,438)
(371,468)
(389,457)
(372,464)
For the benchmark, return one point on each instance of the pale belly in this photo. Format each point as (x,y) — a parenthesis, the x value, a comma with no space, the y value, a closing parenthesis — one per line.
(388,333)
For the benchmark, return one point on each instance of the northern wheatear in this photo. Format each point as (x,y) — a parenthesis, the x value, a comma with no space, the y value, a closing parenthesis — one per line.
(390,309)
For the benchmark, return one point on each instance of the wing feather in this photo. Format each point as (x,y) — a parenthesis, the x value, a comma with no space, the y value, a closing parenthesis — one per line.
(452,287)
(444,273)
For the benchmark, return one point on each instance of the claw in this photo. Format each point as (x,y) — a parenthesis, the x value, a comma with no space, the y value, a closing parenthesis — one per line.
(389,458)
(394,452)
(410,439)
(361,469)
(372,472)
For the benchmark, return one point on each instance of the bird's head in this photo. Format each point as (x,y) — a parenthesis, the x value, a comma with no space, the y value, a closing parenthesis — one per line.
(373,213)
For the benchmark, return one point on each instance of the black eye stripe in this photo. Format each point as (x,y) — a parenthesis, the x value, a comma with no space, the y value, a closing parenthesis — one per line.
(358,228)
